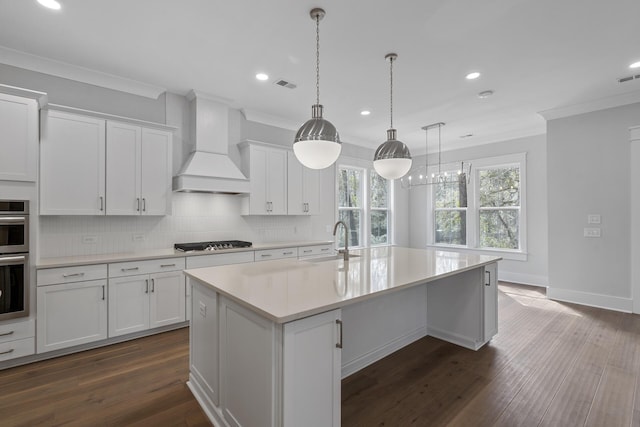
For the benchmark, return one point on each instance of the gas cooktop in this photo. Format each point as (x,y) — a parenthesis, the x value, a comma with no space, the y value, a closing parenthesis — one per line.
(212,246)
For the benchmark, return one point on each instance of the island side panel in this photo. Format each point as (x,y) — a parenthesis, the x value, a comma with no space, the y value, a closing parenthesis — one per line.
(377,327)
(203,341)
(455,308)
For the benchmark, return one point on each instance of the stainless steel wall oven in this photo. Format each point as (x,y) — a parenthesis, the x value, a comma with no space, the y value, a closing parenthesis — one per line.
(14,258)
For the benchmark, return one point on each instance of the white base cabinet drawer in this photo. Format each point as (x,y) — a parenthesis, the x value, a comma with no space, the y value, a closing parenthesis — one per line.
(17,348)
(121,269)
(17,330)
(82,273)
(271,254)
(215,260)
(312,251)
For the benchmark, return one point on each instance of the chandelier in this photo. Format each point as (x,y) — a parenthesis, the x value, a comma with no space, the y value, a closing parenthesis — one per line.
(422,175)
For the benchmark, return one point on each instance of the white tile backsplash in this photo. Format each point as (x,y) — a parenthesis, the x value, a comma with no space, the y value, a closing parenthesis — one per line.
(196,217)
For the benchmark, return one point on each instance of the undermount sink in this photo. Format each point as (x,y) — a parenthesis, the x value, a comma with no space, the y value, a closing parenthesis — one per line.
(330,258)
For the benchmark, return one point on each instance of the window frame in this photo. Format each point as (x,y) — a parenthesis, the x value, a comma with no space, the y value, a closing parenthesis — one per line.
(366,210)
(473,207)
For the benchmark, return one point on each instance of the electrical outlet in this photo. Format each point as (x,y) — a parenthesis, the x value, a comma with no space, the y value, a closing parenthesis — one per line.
(591,232)
(138,237)
(89,239)
(593,219)
(203,309)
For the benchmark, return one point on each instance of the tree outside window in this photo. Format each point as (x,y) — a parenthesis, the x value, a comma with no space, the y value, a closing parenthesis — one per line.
(450,213)
(350,204)
(499,207)
(379,213)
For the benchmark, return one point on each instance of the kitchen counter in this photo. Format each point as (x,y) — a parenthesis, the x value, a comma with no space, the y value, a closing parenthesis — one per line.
(270,341)
(288,289)
(55,262)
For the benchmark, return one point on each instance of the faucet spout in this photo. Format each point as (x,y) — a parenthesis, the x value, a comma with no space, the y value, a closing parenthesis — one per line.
(345,251)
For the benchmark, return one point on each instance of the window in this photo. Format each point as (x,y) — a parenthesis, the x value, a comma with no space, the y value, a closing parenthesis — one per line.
(487,213)
(364,204)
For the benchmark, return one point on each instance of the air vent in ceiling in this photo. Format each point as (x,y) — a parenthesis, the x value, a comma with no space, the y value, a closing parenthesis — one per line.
(629,78)
(284,83)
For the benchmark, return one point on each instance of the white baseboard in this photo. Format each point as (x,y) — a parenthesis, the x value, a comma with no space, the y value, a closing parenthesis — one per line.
(523,279)
(207,405)
(454,338)
(367,359)
(593,300)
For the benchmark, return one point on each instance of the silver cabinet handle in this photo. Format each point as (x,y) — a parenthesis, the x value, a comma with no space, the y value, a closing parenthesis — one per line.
(287,253)
(130,269)
(265,255)
(7,352)
(101,203)
(138,204)
(339,343)
(146,286)
(102,292)
(324,249)
(153,285)
(307,251)
(144,204)
(489,281)
(73,275)
(6,334)
(167,265)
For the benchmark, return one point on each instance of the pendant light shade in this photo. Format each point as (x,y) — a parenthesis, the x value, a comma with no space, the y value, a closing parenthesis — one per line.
(392,159)
(317,143)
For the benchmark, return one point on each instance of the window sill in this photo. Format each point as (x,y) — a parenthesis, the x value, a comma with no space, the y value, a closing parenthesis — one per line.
(505,254)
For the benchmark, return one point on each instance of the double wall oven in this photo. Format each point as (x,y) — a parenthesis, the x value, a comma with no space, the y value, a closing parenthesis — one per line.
(14,259)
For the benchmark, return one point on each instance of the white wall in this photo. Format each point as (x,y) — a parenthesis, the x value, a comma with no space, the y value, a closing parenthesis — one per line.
(589,171)
(534,270)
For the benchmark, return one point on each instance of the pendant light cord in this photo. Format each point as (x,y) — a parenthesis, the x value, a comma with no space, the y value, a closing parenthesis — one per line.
(318,59)
(391,90)
(439,150)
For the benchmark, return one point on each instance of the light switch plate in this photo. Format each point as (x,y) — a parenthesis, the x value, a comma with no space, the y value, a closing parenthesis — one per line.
(593,218)
(592,232)
(137,237)
(89,239)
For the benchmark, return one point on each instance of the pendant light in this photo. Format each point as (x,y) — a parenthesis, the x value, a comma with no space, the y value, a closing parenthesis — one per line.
(317,143)
(392,159)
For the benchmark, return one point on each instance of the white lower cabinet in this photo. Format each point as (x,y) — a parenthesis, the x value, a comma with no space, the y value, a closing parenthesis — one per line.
(145,301)
(490,301)
(71,314)
(17,339)
(312,371)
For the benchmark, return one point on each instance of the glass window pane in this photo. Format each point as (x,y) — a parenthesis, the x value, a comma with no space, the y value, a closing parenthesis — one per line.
(499,228)
(379,191)
(451,227)
(350,190)
(379,227)
(500,187)
(451,195)
(352,219)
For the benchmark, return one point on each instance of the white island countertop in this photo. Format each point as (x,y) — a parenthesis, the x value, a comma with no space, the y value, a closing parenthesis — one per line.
(289,289)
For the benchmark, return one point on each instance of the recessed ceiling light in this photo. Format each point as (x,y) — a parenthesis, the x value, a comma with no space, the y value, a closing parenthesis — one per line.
(473,76)
(50,4)
(262,77)
(485,94)
(635,65)
(365,112)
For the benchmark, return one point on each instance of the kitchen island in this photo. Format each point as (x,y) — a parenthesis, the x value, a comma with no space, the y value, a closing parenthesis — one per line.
(271,341)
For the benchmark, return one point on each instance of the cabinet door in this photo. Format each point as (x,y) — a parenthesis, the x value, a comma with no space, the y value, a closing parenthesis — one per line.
(128,304)
(258,179)
(490,301)
(311,190)
(312,370)
(277,181)
(296,203)
(18,138)
(123,169)
(71,314)
(167,299)
(156,172)
(72,165)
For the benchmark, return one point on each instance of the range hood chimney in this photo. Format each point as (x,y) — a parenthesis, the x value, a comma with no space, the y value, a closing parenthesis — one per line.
(209,168)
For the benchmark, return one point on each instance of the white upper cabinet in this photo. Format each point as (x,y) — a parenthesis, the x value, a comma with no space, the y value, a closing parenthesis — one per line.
(138,170)
(267,167)
(18,138)
(72,164)
(303,188)
(93,166)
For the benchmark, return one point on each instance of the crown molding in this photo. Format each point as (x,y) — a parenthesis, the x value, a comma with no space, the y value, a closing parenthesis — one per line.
(73,72)
(590,106)
(41,97)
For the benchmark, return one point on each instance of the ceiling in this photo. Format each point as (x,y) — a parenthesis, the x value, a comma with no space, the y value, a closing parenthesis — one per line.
(535,55)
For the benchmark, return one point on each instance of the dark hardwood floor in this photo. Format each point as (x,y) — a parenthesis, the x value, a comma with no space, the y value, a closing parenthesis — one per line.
(552,364)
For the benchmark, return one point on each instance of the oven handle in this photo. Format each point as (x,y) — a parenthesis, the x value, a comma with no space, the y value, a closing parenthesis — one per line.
(10,260)
(13,219)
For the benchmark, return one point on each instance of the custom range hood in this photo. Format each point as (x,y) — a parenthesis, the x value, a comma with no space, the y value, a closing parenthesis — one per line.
(209,168)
